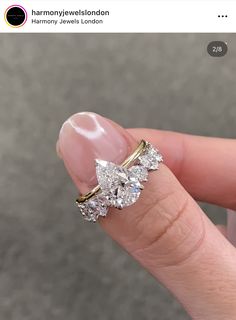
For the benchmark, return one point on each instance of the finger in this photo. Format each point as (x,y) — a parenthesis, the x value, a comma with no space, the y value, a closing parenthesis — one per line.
(231,226)
(165,230)
(222,229)
(204,166)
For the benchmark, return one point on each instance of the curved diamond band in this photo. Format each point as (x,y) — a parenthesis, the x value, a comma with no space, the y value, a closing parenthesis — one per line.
(119,186)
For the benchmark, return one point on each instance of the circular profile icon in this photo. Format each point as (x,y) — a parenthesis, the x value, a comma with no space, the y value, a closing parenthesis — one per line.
(16,16)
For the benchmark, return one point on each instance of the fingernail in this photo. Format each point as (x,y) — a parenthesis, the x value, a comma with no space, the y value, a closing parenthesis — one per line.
(58,150)
(87,136)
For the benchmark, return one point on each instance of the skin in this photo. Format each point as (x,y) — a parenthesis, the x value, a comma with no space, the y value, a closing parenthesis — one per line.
(166,230)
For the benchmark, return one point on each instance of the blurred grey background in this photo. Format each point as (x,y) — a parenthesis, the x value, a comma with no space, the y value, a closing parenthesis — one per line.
(53,265)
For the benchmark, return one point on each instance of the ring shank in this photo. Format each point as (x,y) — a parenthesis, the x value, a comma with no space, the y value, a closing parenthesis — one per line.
(137,152)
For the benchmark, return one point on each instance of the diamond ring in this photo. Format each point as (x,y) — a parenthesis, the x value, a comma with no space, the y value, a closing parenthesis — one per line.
(119,186)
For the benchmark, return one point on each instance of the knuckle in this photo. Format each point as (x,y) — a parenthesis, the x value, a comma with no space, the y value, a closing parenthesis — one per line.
(163,228)
(160,215)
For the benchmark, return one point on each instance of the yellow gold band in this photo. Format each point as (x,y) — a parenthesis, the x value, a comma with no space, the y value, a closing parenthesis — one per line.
(125,164)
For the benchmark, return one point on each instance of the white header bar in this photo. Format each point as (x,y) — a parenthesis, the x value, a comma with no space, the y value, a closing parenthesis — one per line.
(118,16)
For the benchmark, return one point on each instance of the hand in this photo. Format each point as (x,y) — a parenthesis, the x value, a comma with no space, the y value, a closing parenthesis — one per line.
(166,230)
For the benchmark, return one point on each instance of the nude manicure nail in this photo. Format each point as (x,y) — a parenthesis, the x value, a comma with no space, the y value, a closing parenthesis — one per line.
(87,136)
(58,150)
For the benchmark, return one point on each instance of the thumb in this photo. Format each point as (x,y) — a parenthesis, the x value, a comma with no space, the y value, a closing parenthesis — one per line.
(165,230)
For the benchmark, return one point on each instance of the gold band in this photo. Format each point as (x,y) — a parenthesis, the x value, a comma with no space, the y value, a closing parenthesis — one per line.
(137,152)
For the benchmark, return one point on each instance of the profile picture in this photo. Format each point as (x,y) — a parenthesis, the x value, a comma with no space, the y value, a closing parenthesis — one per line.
(15,16)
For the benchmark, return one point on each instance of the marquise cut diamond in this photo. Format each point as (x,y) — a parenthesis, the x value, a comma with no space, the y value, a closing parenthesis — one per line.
(151,158)
(140,172)
(93,208)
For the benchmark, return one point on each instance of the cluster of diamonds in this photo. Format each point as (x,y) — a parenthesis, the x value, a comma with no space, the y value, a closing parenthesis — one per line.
(119,187)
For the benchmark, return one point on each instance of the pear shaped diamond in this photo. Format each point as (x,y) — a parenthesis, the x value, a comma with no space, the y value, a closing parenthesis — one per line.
(120,185)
